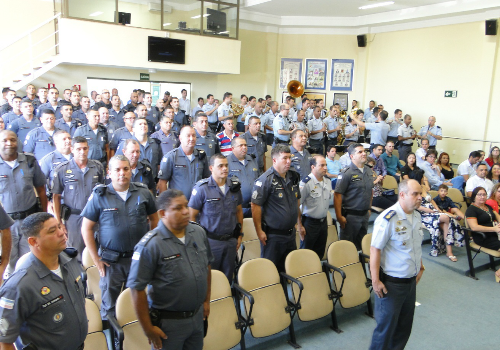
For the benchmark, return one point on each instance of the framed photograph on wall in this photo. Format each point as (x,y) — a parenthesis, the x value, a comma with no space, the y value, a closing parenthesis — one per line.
(342,73)
(315,95)
(284,95)
(291,69)
(316,71)
(342,99)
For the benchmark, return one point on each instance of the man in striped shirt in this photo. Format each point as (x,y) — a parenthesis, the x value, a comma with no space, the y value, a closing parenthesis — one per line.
(226,136)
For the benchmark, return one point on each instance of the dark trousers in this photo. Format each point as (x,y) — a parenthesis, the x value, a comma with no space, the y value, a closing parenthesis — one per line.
(316,235)
(183,334)
(19,247)
(403,151)
(355,229)
(277,248)
(317,145)
(112,284)
(394,316)
(269,139)
(384,202)
(240,127)
(75,238)
(224,253)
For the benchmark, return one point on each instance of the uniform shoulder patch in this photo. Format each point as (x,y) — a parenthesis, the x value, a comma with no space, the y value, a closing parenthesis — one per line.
(147,237)
(197,224)
(58,167)
(139,184)
(389,215)
(100,189)
(202,182)
(437,126)
(306,179)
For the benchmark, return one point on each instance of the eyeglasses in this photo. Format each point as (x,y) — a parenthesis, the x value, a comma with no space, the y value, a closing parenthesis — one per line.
(481,195)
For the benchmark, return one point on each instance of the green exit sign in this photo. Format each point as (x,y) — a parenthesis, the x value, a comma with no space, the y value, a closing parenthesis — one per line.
(144,76)
(450,93)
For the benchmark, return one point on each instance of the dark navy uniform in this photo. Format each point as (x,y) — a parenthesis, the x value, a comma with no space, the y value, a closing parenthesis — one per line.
(218,216)
(97,142)
(75,185)
(257,147)
(143,174)
(177,275)
(63,125)
(301,163)
(278,197)
(50,162)
(153,115)
(129,108)
(151,151)
(246,174)
(209,143)
(356,190)
(9,118)
(111,127)
(181,173)
(117,117)
(41,308)
(39,142)
(47,105)
(22,127)
(80,115)
(180,120)
(167,142)
(118,136)
(121,226)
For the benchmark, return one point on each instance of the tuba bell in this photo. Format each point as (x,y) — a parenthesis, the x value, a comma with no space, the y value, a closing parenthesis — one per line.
(236,109)
(295,88)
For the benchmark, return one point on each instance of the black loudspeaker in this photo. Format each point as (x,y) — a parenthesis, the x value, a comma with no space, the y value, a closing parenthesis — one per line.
(124,17)
(362,40)
(490,27)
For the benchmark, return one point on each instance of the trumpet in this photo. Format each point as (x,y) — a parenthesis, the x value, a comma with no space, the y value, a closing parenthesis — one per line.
(265,108)
(236,109)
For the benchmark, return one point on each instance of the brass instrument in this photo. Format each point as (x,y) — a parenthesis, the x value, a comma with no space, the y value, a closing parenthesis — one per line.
(342,119)
(265,108)
(236,109)
(295,88)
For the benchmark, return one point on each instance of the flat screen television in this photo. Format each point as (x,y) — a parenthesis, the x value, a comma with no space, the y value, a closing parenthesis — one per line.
(216,21)
(166,50)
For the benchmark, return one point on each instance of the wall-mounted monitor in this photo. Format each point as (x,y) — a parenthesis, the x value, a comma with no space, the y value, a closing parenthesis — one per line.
(124,17)
(216,20)
(166,50)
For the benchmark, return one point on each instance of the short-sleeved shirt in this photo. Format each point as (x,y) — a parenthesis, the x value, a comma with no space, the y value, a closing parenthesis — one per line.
(278,198)
(435,130)
(41,108)
(331,123)
(223,110)
(268,120)
(349,129)
(315,125)
(217,209)
(416,173)
(150,151)
(43,309)
(301,162)
(225,142)
(212,118)
(71,128)
(444,204)
(315,196)
(246,173)
(121,223)
(39,142)
(281,123)
(111,127)
(399,241)
(379,132)
(406,131)
(392,164)
(466,168)
(97,142)
(355,187)
(80,115)
(483,218)
(256,146)
(260,116)
(185,105)
(345,160)
(117,117)
(118,136)
(333,166)
(476,181)
(167,142)
(419,154)
(10,117)
(209,143)
(50,162)
(393,127)
(176,272)
(154,114)
(22,127)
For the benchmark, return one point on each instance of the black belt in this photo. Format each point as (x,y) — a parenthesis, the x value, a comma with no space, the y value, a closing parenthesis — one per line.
(75,211)
(24,214)
(165,314)
(313,219)
(356,212)
(280,232)
(280,141)
(407,144)
(127,254)
(220,237)
(387,278)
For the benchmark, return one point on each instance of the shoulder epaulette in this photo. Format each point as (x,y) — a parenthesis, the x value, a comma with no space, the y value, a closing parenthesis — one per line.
(197,224)
(30,159)
(56,169)
(100,189)
(139,184)
(326,177)
(145,239)
(156,140)
(71,252)
(201,154)
(306,179)
(389,215)
(438,127)
(202,182)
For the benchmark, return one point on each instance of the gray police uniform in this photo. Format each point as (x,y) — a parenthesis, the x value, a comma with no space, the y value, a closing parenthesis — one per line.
(176,274)
(218,217)
(180,120)
(39,142)
(97,142)
(10,117)
(256,147)
(111,127)
(50,162)
(267,120)
(71,128)
(316,140)
(18,198)
(143,174)
(122,224)
(75,185)
(42,107)
(331,123)
(209,143)
(118,136)
(22,127)
(246,174)
(356,190)
(180,172)
(435,130)
(400,243)
(167,142)
(301,163)
(80,115)
(41,308)
(153,115)
(151,151)
(117,117)
(379,132)
(278,197)
(280,123)
(405,146)
(315,199)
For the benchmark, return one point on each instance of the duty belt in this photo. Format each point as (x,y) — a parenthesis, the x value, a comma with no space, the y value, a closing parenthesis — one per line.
(24,214)
(220,237)
(387,278)
(165,314)
(280,141)
(313,219)
(356,212)
(274,231)
(75,211)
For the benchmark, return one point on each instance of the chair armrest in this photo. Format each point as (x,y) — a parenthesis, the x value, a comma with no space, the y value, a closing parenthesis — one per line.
(83,275)
(363,255)
(237,288)
(458,204)
(471,231)
(245,293)
(331,267)
(118,330)
(294,280)
(296,305)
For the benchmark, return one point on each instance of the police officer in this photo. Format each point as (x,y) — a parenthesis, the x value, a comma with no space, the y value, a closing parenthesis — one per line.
(353,196)
(316,128)
(332,127)
(180,118)
(406,135)
(257,112)
(168,138)
(19,173)
(134,102)
(122,210)
(24,124)
(141,168)
(315,193)
(6,240)
(205,139)
(105,121)
(301,158)
(15,113)
(81,114)
(123,133)
(211,110)
(224,111)
(396,267)
(218,202)
(116,113)
(62,140)
(174,260)
(184,166)
(268,119)
(150,148)
(39,141)
(153,112)
(281,129)
(43,302)
(243,167)
(52,104)
(256,142)
(275,208)
(97,138)
(379,129)
(73,181)
(431,132)
(67,122)
(142,112)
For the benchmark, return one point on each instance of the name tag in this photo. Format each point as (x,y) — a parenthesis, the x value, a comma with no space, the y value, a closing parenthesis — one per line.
(110,209)
(213,199)
(171,257)
(180,166)
(52,302)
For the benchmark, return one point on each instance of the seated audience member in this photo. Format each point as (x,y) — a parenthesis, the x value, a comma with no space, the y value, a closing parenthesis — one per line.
(443,163)
(494,200)
(379,200)
(479,180)
(445,231)
(391,163)
(379,163)
(445,204)
(421,152)
(412,171)
(494,173)
(482,219)
(467,169)
(333,166)
(494,156)
(483,154)
(345,160)
(434,175)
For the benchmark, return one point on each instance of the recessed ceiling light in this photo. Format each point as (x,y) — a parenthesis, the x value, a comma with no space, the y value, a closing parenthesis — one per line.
(94,14)
(167,24)
(387,3)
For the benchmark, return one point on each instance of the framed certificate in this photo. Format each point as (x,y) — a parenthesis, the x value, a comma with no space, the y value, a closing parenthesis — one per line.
(316,71)
(342,99)
(291,69)
(342,72)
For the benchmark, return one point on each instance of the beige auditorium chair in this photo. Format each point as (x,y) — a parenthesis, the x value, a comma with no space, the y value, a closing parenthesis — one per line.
(96,340)
(457,198)
(86,259)
(223,324)
(365,247)
(250,244)
(93,290)
(266,308)
(332,237)
(349,276)
(316,298)
(390,183)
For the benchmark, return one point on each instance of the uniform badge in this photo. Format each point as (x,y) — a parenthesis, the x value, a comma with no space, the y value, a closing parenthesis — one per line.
(194,192)
(355,176)
(209,145)
(398,229)
(296,195)
(404,228)
(398,222)
(45,290)
(254,169)
(69,171)
(58,317)
(6,303)
(4,326)
(404,242)
(280,195)
(254,194)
